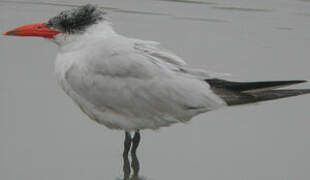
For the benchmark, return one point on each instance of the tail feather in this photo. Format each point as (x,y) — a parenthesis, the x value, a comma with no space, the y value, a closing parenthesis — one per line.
(237,93)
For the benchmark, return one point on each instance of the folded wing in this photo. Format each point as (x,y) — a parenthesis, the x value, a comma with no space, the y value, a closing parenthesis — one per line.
(237,93)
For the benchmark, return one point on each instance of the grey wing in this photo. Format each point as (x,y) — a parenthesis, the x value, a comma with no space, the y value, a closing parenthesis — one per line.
(143,86)
(167,59)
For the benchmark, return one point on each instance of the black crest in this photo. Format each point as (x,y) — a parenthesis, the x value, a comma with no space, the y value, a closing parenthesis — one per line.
(78,19)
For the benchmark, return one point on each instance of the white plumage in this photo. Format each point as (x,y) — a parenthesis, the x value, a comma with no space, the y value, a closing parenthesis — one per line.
(130,84)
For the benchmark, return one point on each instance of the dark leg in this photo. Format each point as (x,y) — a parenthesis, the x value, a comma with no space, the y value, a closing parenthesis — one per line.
(126,166)
(134,159)
(135,165)
(135,142)
(127,143)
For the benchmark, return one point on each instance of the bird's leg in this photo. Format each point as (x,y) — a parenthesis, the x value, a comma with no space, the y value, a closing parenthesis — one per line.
(135,165)
(135,142)
(127,143)
(126,166)
(134,159)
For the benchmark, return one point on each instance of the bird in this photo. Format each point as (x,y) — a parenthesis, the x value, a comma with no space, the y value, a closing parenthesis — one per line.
(131,84)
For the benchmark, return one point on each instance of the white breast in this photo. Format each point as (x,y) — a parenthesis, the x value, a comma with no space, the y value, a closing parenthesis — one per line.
(63,63)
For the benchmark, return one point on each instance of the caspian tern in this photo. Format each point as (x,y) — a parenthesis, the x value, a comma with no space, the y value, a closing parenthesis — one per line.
(131,84)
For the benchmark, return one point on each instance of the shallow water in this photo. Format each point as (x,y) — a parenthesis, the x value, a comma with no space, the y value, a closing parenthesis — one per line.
(44,136)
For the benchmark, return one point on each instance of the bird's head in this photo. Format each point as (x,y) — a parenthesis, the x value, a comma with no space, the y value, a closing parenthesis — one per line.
(69,22)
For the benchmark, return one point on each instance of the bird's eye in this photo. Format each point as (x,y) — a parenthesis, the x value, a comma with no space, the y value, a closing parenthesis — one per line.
(39,27)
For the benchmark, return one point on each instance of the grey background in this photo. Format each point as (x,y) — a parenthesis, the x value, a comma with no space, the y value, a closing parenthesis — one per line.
(43,136)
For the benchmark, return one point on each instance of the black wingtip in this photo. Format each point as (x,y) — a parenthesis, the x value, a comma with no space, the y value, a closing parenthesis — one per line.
(297,81)
(250,86)
(237,93)
(268,95)
(303,81)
